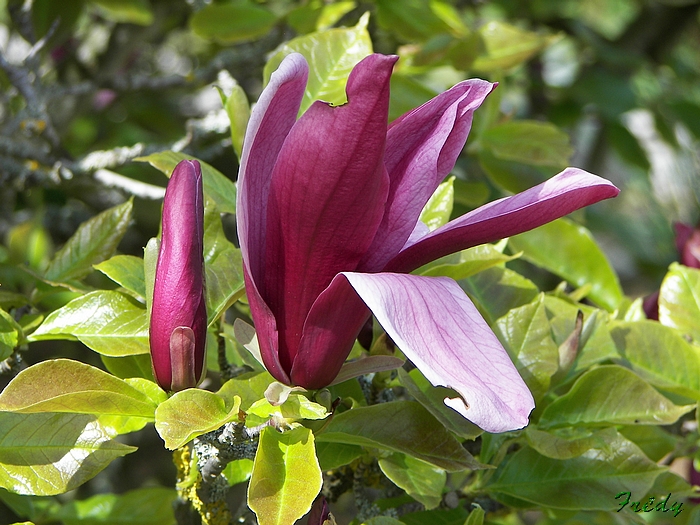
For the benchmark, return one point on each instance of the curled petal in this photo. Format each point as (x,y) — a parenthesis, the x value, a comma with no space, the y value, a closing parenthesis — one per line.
(270,121)
(566,192)
(440,330)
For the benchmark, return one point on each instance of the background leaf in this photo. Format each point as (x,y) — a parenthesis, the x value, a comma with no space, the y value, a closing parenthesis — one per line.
(679,300)
(126,271)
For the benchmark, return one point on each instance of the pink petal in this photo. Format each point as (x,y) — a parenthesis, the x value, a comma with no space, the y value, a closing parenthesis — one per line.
(566,192)
(270,121)
(326,198)
(440,330)
(329,334)
(421,149)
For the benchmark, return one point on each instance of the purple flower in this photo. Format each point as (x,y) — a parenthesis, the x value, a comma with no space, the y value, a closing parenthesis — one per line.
(328,222)
(178,312)
(688,244)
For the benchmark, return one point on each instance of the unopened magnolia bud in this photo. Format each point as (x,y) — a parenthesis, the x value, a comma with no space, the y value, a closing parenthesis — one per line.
(178,312)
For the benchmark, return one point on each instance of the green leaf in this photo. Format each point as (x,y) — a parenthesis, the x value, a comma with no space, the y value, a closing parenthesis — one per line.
(47,454)
(569,251)
(64,385)
(654,441)
(150,261)
(567,443)
(530,142)
(587,482)
(193,412)
(331,55)
(611,395)
(498,290)
(249,387)
(223,266)
(238,111)
(436,517)
(216,185)
(94,241)
(106,321)
(527,336)
(433,399)
(400,426)
(383,520)
(238,471)
(334,455)
(679,300)
(129,366)
(422,481)
(506,46)
(10,333)
(660,355)
(128,11)
(147,506)
(468,262)
(232,22)
(476,516)
(127,272)
(406,94)
(411,20)
(286,477)
(295,407)
(438,209)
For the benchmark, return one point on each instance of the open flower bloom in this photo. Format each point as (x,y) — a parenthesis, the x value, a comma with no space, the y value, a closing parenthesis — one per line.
(178,329)
(328,221)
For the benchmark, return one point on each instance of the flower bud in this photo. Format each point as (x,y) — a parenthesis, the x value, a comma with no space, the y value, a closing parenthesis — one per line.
(178,311)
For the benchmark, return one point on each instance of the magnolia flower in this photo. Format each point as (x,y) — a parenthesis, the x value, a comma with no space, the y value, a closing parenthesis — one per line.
(178,312)
(328,222)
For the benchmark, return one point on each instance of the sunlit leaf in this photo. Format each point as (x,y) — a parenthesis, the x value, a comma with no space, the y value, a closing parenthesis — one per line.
(238,471)
(530,142)
(129,11)
(507,46)
(107,321)
(679,300)
(331,55)
(94,241)
(126,271)
(9,334)
(438,209)
(333,455)
(47,454)
(71,386)
(286,476)
(193,412)
(569,442)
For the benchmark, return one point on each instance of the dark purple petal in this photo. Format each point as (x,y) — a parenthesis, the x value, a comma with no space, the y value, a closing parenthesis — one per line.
(688,244)
(270,121)
(421,149)
(326,199)
(435,324)
(178,313)
(330,331)
(566,192)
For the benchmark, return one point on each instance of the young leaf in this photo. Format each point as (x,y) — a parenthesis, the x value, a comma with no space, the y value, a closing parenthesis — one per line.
(232,22)
(47,454)
(438,209)
(286,476)
(611,395)
(10,333)
(506,46)
(217,186)
(191,413)
(530,142)
(107,321)
(64,385)
(331,54)
(400,426)
(334,455)
(94,241)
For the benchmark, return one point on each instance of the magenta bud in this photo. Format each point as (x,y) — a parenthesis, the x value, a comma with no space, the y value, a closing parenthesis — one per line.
(688,244)
(178,311)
